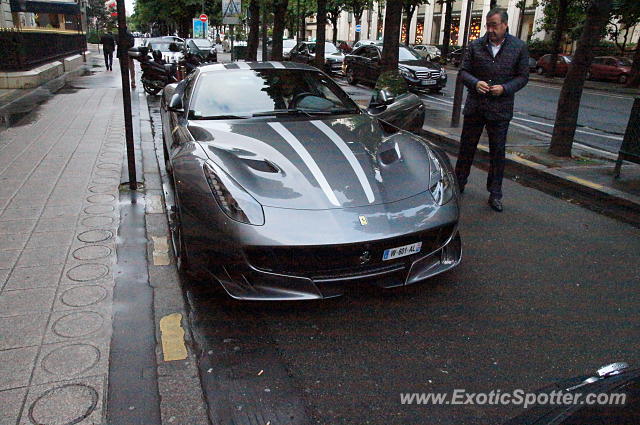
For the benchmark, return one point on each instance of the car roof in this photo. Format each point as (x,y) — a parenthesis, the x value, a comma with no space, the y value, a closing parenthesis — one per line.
(257,65)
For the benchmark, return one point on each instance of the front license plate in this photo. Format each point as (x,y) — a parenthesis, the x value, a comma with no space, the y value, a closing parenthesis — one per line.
(401,251)
(428,82)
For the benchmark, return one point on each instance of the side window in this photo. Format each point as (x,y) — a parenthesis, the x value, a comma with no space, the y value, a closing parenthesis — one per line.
(358,51)
(611,62)
(188,86)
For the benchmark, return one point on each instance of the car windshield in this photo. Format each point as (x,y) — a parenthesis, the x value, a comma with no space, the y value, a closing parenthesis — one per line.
(255,92)
(290,44)
(624,62)
(202,43)
(406,54)
(328,48)
(161,45)
(568,59)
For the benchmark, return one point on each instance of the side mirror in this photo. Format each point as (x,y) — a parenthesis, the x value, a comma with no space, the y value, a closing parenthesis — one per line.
(175,104)
(385,97)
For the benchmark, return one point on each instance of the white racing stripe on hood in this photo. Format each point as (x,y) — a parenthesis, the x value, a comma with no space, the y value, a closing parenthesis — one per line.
(243,65)
(277,65)
(348,153)
(307,159)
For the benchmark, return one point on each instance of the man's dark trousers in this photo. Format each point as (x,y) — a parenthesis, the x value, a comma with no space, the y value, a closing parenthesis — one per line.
(471,132)
(108,59)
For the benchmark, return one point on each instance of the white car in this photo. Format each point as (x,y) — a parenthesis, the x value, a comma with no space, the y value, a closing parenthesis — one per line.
(427,51)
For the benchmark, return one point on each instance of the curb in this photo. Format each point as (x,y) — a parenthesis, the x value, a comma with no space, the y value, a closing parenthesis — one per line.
(608,201)
(181,395)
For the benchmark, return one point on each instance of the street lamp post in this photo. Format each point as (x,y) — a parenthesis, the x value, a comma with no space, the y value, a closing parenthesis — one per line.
(126,94)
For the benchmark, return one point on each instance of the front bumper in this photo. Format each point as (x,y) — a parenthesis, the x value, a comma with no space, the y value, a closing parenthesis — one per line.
(250,282)
(429,83)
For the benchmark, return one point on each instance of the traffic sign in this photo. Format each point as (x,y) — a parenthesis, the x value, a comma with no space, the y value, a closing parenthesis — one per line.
(358,28)
(204,18)
(231,10)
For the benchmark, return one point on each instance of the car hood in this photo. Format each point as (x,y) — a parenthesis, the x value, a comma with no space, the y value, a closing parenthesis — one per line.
(320,164)
(416,65)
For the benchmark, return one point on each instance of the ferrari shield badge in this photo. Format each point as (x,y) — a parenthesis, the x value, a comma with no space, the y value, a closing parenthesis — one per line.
(363,220)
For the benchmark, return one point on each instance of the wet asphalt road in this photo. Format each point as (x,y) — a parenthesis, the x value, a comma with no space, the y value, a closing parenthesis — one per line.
(602,119)
(545,291)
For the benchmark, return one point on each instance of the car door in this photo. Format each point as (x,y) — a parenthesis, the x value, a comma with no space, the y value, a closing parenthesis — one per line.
(596,68)
(611,69)
(368,65)
(355,61)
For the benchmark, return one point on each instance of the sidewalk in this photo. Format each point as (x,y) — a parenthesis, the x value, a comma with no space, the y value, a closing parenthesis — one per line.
(78,298)
(585,178)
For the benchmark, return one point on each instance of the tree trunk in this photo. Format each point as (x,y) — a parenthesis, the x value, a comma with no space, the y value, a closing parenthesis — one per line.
(254,30)
(447,28)
(279,15)
(634,80)
(391,39)
(357,36)
(410,11)
(561,23)
(569,101)
(265,15)
(321,26)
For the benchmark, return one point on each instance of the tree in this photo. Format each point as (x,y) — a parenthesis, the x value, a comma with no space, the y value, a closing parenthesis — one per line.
(334,8)
(624,17)
(448,4)
(357,7)
(561,23)
(254,30)
(97,11)
(569,101)
(391,40)
(321,26)
(410,7)
(279,16)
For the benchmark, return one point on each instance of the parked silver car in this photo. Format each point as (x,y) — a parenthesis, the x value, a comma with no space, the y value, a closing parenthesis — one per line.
(285,189)
(427,51)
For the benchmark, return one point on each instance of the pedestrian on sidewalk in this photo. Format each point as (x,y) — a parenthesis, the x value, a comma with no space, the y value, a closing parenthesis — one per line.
(494,68)
(108,42)
(123,46)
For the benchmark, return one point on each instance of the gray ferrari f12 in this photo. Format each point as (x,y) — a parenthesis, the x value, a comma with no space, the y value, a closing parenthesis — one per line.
(285,189)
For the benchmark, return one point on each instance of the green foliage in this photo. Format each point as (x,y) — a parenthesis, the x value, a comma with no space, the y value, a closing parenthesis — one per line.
(576,15)
(357,7)
(538,48)
(93,36)
(624,16)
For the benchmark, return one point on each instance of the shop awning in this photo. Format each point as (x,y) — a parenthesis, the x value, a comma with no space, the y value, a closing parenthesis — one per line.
(65,8)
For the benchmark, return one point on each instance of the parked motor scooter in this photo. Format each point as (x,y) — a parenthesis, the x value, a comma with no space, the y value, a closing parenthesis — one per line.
(155,73)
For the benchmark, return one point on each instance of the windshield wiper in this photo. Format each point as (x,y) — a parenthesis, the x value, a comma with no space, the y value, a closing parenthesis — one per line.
(221,117)
(292,111)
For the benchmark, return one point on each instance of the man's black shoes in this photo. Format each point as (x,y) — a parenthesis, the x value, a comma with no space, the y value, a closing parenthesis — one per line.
(495,204)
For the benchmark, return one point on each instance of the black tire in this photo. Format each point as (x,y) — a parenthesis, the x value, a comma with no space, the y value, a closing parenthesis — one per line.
(165,154)
(150,89)
(623,78)
(351,78)
(540,70)
(179,246)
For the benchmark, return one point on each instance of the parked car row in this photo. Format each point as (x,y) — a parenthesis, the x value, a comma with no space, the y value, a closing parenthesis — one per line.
(419,73)
(602,68)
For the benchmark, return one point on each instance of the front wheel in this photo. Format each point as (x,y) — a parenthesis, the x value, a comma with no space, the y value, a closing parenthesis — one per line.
(623,78)
(351,78)
(151,89)
(540,70)
(179,245)
(588,76)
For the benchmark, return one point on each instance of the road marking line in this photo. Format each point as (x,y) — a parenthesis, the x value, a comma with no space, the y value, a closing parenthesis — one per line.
(585,182)
(172,336)
(588,91)
(154,204)
(160,251)
(616,138)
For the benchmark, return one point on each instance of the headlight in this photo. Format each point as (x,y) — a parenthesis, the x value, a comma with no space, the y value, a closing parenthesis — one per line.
(232,198)
(441,183)
(407,73)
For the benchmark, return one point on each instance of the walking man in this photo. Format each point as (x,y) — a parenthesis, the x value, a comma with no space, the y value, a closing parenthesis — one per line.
(108,42)
(494,68)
